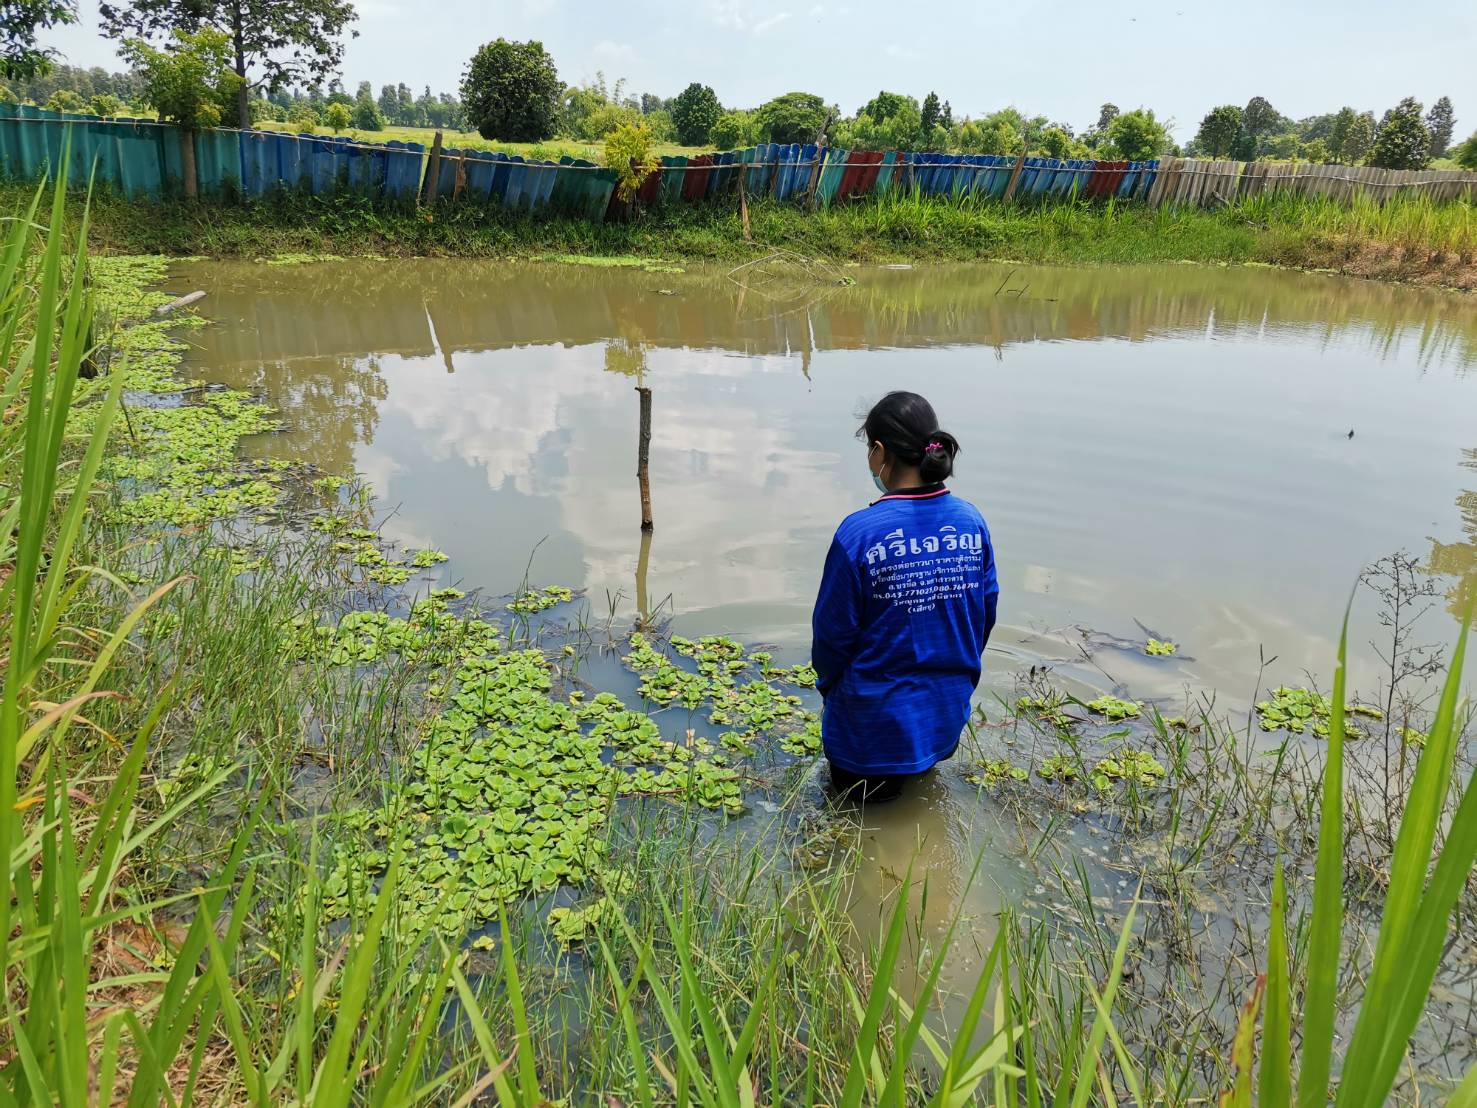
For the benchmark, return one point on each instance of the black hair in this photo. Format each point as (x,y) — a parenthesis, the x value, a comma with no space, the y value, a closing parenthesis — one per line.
(906,425)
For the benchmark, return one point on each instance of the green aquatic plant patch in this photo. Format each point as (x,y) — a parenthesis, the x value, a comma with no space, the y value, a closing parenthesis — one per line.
(1059,767)
(1137,766)
(540,600)
(1157,649)
(1304,711)
(1114,708)
(988,774)
(1046,708)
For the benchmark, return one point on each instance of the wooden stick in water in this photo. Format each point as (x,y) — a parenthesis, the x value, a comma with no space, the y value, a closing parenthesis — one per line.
(643,452)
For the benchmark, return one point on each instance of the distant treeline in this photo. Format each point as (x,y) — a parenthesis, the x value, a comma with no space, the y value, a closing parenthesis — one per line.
(1406,136)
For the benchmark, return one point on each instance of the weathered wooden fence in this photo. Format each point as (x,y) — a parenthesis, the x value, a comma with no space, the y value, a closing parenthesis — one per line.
(141,157)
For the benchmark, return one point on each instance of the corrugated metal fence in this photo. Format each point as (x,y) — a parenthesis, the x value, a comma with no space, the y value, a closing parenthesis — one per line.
(141,157)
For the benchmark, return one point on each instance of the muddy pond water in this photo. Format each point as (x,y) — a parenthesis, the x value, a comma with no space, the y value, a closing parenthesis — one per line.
(1209,455)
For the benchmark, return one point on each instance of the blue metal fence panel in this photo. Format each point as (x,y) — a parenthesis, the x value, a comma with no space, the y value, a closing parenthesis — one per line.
(403,170)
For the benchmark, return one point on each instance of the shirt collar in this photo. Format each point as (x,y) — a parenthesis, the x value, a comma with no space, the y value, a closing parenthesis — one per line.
(918,492)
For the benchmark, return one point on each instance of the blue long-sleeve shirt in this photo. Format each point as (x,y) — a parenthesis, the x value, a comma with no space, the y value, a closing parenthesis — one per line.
(907,602)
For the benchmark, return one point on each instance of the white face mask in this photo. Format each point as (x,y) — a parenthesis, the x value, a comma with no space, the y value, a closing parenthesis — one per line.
(877,476)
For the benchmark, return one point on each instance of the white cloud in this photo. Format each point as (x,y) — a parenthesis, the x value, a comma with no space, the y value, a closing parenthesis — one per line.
(609,54)
(903,53)
(770,23)
(729,14)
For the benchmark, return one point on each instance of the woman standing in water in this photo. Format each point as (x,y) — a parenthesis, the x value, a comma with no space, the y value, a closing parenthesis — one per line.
(906,605)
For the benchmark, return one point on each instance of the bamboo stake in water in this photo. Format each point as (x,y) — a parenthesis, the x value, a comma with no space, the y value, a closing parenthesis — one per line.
(643,452)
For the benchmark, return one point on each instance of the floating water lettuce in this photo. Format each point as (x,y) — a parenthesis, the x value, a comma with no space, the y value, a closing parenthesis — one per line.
(1047,708)
(572,926)
(1059,767)
(540,600)
(425,559)
(988,774)
(1302,711)
(1114,708)
(1138,766)
(1155,648)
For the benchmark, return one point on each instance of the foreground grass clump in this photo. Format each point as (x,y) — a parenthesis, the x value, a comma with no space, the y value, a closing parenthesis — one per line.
(1405,239)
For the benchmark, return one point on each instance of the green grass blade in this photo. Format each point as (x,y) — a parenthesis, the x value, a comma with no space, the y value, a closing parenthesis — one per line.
(1404,970)
(528,1086)
(1274,1074)
(1087,1067)
(1325,932)
(865,1046)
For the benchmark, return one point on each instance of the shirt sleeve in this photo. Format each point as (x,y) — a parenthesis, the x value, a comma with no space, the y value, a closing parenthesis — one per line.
(836,623)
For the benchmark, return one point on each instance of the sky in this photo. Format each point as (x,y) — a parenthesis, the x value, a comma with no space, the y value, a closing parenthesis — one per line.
(1058,58)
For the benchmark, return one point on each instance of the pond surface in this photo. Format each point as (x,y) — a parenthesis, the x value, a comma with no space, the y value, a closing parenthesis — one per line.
(1166,446)
(1160,449)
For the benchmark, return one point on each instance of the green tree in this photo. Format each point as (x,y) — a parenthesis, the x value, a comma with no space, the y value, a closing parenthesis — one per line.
(273,43)
(795,117)
(1358,140)
(1440,121)
(7,96)
(304,118)
(931,113)
(694,112)
(1218,131)
(65,100)
(338,117)
(1283,147)
(366,115)
(190,83)
(20,57)
(511,91)
(1056,143)
(105,104)
(1466,153)
(1317,151)
(1137,135)
(1339,132)
(1105,116)
(1402,141)
(734,130)
(1260,119)
(889,121)
(389,103)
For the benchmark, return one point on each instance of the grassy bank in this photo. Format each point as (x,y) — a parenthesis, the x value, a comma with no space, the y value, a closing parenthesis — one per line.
(1409,240)
(286,823)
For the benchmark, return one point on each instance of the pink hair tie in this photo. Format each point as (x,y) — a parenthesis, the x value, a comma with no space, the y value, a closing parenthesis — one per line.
(935,446)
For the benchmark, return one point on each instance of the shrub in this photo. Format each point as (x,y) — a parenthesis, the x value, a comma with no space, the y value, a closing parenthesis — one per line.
(65,100)
(628,152)
(1466,154)
(338,117)
(1137,135)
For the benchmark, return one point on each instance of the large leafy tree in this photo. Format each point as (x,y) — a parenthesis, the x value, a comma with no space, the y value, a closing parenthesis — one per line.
(1218,131)
(1402,141)
(20,57)
(1358,140)
(512,91)
(1137,135)
(1338,133)
(1439,121)
(932,113)
(694,112)
(273,43)
(795,117)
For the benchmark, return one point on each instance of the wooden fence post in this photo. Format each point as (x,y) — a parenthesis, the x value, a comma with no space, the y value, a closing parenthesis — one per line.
(815,175)
(1015,177)
(433,170)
